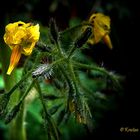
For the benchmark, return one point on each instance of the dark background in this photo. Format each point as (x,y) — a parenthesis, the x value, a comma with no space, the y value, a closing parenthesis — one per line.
(123,59)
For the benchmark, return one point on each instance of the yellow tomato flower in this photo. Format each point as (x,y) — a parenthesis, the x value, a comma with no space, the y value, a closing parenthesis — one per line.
(21,38)
(100,30)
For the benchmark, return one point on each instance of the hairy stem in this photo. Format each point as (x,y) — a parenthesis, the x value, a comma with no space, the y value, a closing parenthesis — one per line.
(48,118)
(99,69)
(77,26)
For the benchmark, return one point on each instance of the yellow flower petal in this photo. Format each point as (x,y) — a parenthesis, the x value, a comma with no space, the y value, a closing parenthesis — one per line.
(91,41)
(28,50)
(23,34)
(14,33)
(20,34)
(107,41)
(100,30)
(15,57)
(33,33)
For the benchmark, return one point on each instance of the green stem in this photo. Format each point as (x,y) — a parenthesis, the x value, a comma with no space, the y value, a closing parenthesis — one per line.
(73,76)
(86,66)
(77,26)
(18,84)
(17,129)
(71,87)
(6,97)
(102,70)
(20,118)
(73,95)
(25,94)
(59,49)
(50,121)
(43,47)
(41,99)
(71,51)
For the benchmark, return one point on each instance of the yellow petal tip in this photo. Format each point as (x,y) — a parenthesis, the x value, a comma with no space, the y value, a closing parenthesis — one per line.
(10,69)
(107,41)
(15,57)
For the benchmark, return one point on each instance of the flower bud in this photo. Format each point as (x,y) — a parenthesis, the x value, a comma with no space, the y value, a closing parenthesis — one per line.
(83,38)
